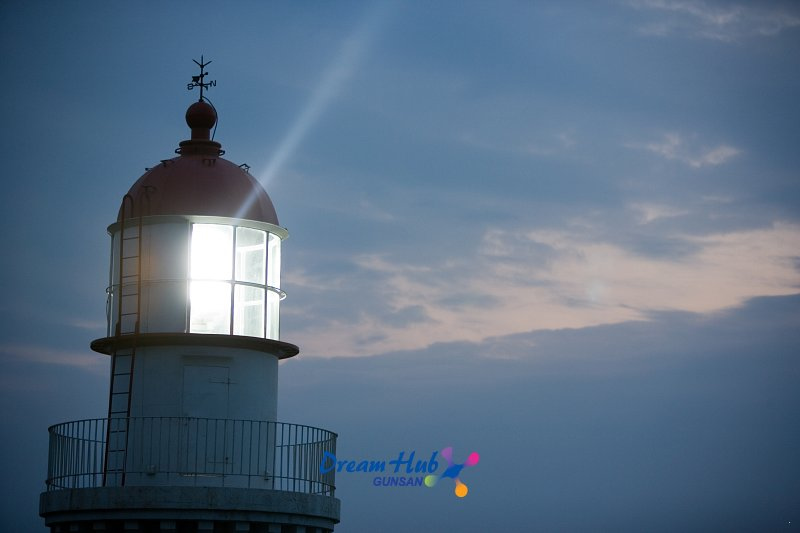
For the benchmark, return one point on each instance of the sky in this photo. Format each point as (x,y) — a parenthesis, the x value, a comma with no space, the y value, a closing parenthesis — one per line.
(564,235)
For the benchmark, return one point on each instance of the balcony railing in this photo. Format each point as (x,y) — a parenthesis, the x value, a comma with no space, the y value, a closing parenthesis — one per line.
(205,452)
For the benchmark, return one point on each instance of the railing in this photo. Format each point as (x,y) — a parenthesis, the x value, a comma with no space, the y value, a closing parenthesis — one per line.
(203,452)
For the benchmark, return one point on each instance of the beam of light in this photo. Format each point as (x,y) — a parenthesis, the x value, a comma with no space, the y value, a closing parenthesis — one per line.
(333,79)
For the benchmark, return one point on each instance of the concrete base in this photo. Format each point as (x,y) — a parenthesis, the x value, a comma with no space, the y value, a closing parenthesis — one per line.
(187,509)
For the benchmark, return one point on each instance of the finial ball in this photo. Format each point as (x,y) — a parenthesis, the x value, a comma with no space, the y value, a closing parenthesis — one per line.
(201,115)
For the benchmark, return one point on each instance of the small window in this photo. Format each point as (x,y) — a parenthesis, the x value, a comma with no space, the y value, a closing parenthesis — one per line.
(273,315)
(248,311)
(251,255)
(211,307)
(274,270)
(211,251)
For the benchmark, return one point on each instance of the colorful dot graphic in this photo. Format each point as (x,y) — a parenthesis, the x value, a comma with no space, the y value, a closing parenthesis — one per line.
(453,470)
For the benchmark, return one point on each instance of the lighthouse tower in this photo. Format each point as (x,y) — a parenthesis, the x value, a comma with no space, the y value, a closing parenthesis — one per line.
(191,441)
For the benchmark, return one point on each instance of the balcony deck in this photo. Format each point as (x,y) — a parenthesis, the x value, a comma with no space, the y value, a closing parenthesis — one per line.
(195,452)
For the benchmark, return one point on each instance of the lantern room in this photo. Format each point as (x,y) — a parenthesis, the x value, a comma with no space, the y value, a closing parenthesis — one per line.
(196,247)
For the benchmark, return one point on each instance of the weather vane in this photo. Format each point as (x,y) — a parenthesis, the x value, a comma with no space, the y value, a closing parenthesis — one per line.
(198,81)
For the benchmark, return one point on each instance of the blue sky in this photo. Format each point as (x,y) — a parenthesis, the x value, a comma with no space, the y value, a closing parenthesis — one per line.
(562,234)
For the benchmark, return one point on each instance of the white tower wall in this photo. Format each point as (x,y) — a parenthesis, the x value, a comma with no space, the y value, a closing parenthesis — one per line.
(205,382)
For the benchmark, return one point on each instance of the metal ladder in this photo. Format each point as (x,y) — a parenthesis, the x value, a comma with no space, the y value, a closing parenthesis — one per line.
(123,358)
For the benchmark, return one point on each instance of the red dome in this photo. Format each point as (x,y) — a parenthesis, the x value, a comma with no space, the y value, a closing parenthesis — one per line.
(200,184)
(199,181)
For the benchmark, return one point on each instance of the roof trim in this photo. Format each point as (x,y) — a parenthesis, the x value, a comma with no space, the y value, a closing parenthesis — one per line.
(283,233)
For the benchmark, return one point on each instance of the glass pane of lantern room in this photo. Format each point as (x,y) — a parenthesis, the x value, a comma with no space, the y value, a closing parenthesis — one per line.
(274,270)
(212,251)
(211,307)
(248,311)
(251,255)
(273,315)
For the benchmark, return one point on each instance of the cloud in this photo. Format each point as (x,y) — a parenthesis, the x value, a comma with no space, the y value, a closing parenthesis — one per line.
(703,404)
(715,156)
(674,147)
(723,22)
(87,324)
(539,279)
(45,355)
(544,144)
(648,213)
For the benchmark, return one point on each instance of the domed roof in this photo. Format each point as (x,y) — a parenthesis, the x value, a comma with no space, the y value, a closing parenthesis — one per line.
(199,181)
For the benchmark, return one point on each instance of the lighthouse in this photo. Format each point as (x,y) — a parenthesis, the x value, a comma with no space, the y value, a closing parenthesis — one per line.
(191,441)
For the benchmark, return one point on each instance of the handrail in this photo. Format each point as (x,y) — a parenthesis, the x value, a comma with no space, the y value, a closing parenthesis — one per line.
(181,451)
